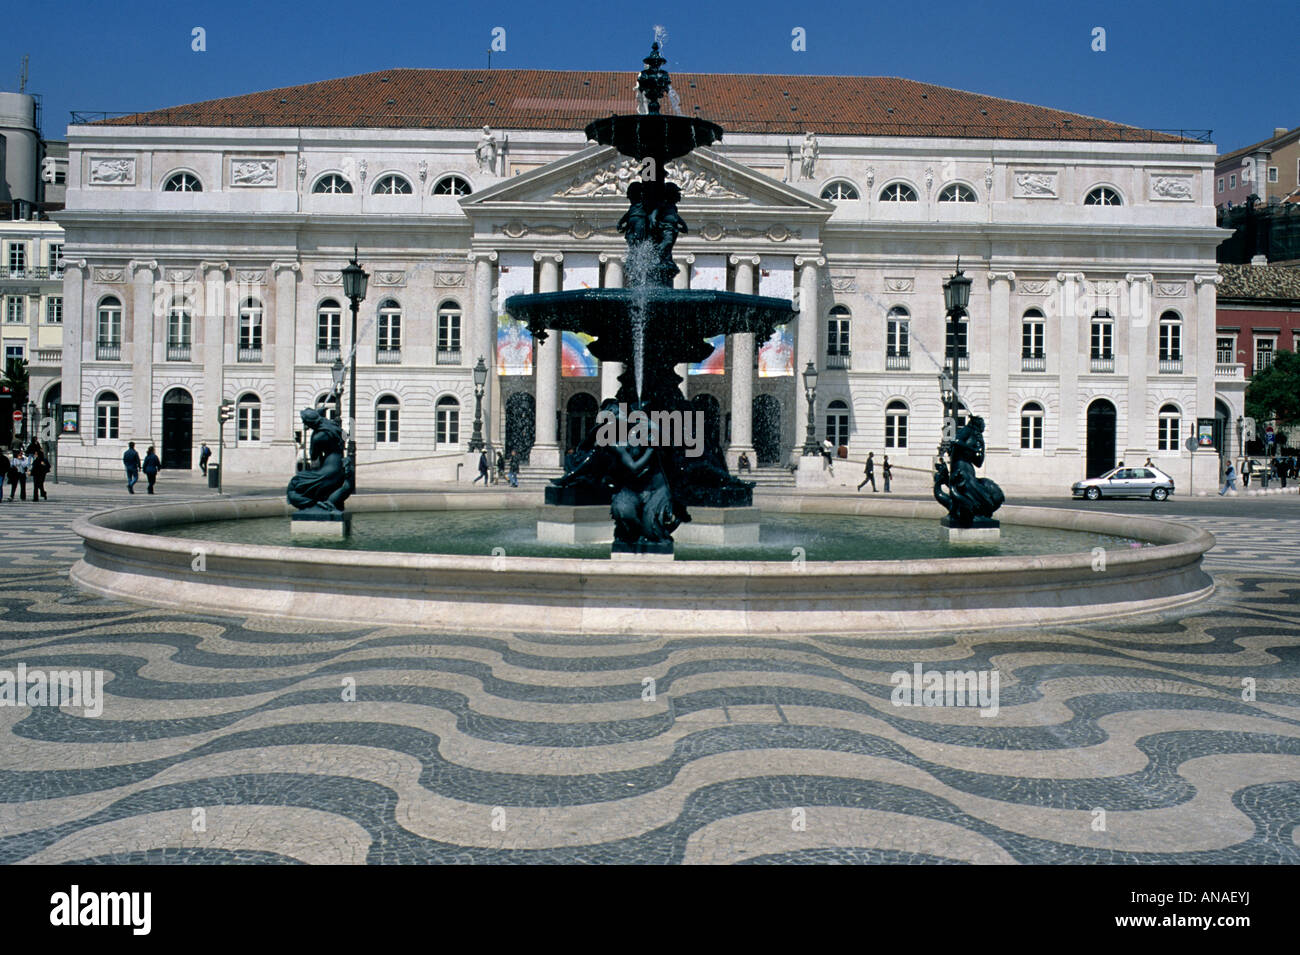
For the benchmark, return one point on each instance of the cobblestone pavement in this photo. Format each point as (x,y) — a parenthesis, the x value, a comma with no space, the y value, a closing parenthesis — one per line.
(230,740)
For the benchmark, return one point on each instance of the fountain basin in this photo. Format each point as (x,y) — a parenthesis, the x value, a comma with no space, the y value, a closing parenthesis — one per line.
(659,136)
(126,556)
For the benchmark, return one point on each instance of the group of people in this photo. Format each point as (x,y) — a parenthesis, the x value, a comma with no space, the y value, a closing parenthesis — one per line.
(869,472)
(1273,469)
(15,468)
(150,466)
(504,470)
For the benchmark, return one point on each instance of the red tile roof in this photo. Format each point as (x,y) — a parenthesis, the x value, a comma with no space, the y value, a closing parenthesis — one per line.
(569,99)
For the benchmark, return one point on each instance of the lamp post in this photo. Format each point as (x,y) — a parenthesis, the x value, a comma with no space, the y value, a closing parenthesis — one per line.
(956,297)
(810,392)
(480,379)
(31,419)
(354,287)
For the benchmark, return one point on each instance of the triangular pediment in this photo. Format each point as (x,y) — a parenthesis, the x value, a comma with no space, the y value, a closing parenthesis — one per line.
(598,176)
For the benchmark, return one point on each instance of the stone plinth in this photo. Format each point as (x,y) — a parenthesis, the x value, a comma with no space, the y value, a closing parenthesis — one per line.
(591,524)
(983,531)
(328,524)
(813,472)
(570,524)
(642,550)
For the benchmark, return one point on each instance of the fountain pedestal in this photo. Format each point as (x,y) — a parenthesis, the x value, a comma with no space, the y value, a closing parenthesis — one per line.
(985,530)
(641,550)
(590,524)
(331,525)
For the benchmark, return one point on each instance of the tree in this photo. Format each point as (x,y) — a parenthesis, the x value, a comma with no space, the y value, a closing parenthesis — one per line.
(1274,394)
(16,380)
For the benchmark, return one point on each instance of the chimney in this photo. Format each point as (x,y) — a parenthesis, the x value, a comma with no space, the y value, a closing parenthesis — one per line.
(1279,132)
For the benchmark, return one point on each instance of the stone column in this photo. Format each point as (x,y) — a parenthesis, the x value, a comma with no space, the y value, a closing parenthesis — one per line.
(481,338)
(1137,441)
(1072,418)
(682,280)
(1001,346)
(546,450)
(806,338)
(213,349)
(284,415)
(742,371)
(1202,348)
(78,340)
(610,370)
(142,355)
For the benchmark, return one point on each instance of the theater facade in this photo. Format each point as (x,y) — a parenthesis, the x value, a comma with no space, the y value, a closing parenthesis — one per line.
(204,246)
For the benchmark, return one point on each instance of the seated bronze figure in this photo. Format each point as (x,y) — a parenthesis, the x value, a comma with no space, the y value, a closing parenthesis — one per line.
(330,482)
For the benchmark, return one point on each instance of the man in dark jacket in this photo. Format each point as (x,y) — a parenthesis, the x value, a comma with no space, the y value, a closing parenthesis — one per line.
(203,459)
(151,467)
(131,461)
(40,468)
(4,472)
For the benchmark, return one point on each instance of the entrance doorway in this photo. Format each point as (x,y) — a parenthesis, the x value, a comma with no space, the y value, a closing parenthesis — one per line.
(177,429)
(1101,437)
(767,430)
(580,417)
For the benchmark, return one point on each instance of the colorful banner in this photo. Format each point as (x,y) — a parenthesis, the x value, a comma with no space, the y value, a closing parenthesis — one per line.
(514,340)
(776,280)
(709,271)
(581,270)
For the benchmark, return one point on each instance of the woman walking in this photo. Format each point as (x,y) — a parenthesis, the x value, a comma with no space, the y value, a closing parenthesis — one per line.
(151,467)
(886,473)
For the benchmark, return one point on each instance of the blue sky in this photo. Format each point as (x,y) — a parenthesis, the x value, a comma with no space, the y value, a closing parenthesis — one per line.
(1188,64)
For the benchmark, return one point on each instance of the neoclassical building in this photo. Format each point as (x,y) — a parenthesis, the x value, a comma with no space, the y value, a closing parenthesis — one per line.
(204,246)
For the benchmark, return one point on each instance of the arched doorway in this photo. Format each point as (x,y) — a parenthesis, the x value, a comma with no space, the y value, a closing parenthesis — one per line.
(1101,437)
(177,429)
(837,424)
(1222,426)
(521,424)
(580,417)
(712,418)
(767,429)
(53,397)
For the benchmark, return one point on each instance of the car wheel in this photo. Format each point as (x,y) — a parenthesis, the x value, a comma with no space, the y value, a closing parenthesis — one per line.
(1093,494)
(1159,494)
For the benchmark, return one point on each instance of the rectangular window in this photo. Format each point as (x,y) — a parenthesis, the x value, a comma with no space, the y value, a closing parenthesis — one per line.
(16,309)
(449,331)
(1031,432)
(328,329)
(1264,353)
(1171,342)
(1031,339)
(1272,173)
(386,425)
(390,331)
(17,258)
(1103,338)
(14,353)
(1225,350)
(178,329)
(896,431)
(837,336)
(1168,434)
(896,338)
(54,310)
(54,257)
(106,422)
(1220,184)
(250,422)
(956,336)
(1232,181)
(250,329)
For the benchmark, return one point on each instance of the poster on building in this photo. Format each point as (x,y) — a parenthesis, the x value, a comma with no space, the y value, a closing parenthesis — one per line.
(709,271)
(581,270)
(514,340)
(776,280)
(71,419)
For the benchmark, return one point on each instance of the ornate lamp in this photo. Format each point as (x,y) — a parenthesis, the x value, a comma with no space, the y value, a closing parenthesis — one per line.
(355,279)
(810,392)
(480,379)
(956,291)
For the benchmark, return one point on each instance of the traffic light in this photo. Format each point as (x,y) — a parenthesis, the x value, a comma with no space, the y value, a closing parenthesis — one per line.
(227,411)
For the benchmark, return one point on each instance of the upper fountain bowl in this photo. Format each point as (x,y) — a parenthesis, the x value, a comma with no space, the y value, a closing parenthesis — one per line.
(654,135)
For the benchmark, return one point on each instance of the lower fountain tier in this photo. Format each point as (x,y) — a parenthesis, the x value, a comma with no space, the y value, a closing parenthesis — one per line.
(677,321)
(740,494)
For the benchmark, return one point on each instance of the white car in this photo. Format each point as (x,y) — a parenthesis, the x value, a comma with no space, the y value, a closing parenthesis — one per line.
(1145,481)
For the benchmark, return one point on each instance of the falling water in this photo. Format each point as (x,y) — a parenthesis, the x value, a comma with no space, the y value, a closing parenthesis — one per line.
(640,260)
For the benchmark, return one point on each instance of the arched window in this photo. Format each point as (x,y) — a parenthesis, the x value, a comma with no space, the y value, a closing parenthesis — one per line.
(837,423)
(898,339)
(392,185)
(837,337)
(898,192)
(248,417)
(388,344)
(386,411)
(1171,343)
(448,334)
(332,184)
(1033,349)
(1031,426)
(957,192)
(839,191)
(180,329)
(328,405)
(448,422)
(452,186)
(896,424)
(108,330)
(182,182)
(106,416)
(1102,196)
(329,330)
(1170,426)
(250,330)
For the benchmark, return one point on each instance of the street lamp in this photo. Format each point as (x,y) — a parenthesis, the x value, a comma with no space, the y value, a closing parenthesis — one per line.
(354,287)
(480,379)
(956,298)
(31,419)
(810,392)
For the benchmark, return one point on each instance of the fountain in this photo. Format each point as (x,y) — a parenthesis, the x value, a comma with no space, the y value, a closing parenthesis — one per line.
(649,480)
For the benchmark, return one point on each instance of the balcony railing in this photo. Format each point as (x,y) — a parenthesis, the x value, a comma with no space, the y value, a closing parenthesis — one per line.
(325,355)
(108,351)
(1036,362)
(448,356)
(963,362)
(1103,365)
(49,356)
(388,356)
(838,360)
(1230,371)
(249,354)
(178,352)
(37,272)
(898,362)
(1171,366)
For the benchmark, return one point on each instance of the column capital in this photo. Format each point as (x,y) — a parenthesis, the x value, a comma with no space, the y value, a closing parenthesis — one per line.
(556,257)
(809,261)
(149,264)
(606,257)
(688,258)
(1139,277)
(1211,278)
(745,259)
(1004,276)
(1070,277)
(217,266)
(75,264)
(278,267)
(481,255)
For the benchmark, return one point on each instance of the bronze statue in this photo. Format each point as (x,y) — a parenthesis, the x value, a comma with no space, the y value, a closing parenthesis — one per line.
(968,498)
(327,485)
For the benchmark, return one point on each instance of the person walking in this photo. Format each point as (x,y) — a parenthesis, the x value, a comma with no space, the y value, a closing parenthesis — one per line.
(1246,467)
(151,467)
(869,471)
(4,473)
(1229,480)
(886,473)
(514,470)
(203,459)
(827,450)
(18,474)
(482,469)
(40,468)
(501,466)
(131,461)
